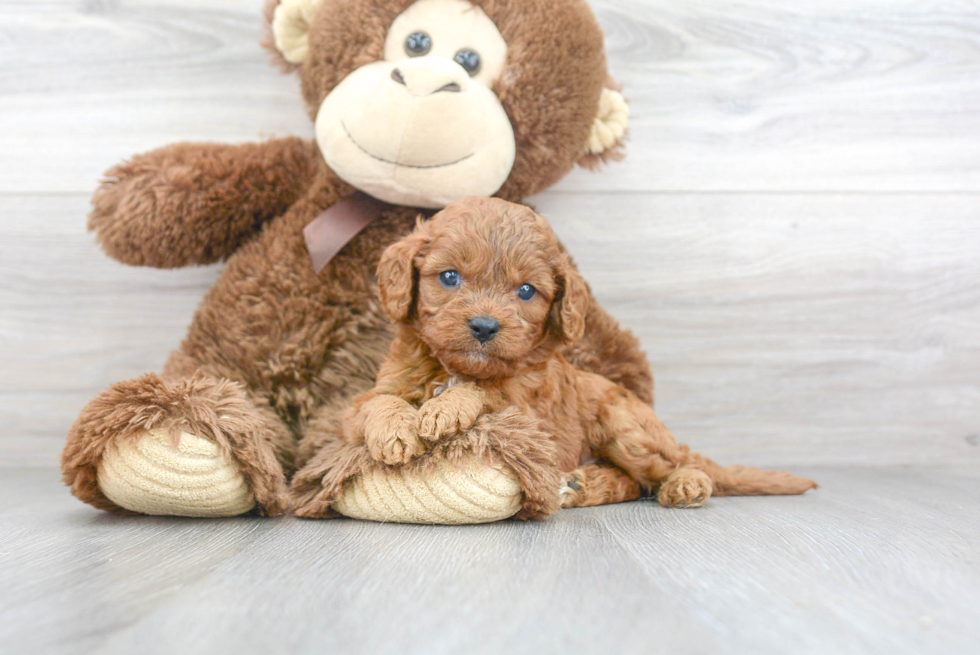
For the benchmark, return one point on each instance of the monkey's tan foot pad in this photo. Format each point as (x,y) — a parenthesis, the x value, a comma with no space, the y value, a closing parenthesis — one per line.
(147,474)
(474,492)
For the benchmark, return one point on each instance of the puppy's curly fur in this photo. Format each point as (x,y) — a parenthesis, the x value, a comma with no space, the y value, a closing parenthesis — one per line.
(485,299)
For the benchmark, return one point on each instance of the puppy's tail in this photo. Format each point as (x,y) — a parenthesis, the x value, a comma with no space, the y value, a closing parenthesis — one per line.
(749,481)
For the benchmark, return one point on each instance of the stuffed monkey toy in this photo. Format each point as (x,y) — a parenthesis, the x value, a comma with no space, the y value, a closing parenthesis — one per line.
(416,103)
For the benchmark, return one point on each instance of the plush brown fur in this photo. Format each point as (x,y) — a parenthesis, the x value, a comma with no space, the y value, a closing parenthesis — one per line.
(246,430)
(289,339)
(439,379)
(198,202)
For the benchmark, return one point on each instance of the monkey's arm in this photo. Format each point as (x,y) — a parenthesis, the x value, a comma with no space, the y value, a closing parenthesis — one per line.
(612,352)
(196,203)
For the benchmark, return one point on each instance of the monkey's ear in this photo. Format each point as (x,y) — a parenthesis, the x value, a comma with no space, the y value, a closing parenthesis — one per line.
(573,303)
(290,21)
(397,276)
(608,130)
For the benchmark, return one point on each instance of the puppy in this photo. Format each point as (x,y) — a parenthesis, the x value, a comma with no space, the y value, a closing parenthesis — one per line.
(485,299)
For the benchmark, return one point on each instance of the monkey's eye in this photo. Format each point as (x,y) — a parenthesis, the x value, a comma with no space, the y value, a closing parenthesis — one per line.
(526,292)
(449,279)
(418,44)
(468,59)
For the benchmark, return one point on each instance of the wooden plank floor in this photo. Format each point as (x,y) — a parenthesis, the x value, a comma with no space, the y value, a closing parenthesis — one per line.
(877,561)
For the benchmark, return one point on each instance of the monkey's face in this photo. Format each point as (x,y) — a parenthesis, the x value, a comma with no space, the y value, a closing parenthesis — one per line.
(423,102)
(422,127)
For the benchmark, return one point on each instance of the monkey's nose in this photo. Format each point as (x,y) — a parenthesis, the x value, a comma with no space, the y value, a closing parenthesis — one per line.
(484,328)
(424,76)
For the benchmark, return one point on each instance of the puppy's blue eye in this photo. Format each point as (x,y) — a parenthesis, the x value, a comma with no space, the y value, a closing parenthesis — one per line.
(449,279)
(526,292)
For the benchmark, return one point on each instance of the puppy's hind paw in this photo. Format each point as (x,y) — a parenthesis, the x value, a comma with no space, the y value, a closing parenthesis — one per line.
(570,492)
(685,487)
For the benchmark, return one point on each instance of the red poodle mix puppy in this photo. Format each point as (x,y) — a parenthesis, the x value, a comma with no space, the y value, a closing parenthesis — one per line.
(485,299)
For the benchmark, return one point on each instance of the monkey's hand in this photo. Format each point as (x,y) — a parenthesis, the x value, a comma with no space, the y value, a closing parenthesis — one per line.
(196,203)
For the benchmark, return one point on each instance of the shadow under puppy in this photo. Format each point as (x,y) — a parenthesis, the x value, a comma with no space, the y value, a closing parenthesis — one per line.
(484,299)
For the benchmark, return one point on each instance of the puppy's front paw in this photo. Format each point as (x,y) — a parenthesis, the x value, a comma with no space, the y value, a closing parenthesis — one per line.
(394,444)
(449,414)
(438,420)
(387,425)
(685,487)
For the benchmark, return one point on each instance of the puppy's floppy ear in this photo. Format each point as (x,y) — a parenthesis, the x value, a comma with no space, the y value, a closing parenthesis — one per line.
(572,303)
(397,276)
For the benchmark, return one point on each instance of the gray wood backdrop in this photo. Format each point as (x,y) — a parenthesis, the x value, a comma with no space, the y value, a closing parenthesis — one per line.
(795,235)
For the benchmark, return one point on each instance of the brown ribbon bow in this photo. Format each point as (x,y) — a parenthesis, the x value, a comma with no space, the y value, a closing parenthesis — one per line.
(334,228)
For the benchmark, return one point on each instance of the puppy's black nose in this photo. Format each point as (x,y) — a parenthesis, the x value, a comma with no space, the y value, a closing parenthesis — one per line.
(484,328)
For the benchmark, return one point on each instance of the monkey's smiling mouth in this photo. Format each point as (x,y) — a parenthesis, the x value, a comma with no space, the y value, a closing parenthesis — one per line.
(395,163)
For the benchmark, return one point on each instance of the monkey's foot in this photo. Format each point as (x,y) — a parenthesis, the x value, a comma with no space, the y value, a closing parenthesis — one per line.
(149,474)
(471,493)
